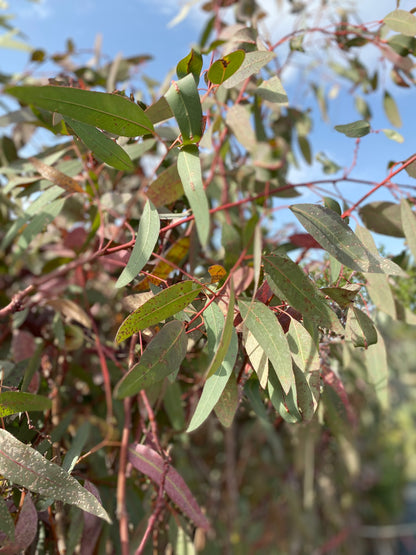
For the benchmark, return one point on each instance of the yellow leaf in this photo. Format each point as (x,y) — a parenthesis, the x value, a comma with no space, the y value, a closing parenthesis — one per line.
(217,272)
(57,177)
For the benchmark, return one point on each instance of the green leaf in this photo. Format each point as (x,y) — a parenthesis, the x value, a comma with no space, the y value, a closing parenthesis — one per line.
(222,69)
(334,235)
(409,225)
(343,296)
(225,339)
(215,385)
(285,404)
(402,22)
(391,110)
(26,467)
(183,98)
(393,135)
(302,347)
(172,401)
(308,390)
(189,169)
(257,357)
(356,129)
(166,188)
(12,402)
(166,303)
(252,63)
(273,91)
(288,281)
(378,370)
(6,520)
(382,217)
(263,324)
(191,64)
(239,120)
(111,112)
(159,111)
(162,356)
(359,328)
(227,404)
(147,236)
(102,146)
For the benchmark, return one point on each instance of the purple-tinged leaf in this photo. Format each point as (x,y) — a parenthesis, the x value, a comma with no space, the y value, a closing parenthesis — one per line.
(150,463)
(6,522)
(92,524)
(25,531)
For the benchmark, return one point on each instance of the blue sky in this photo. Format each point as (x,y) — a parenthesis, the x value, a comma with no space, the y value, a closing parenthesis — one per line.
(142,27)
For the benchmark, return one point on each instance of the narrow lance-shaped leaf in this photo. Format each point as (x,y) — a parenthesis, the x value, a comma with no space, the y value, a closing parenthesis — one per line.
(227,404)
(263,324)
(302,347)
(6,521)
(355,130)
(337,238)
(103,148)
(57,177)
(257,357)
(12,402)
(409,225)
(183,98)
(215,385)
(189,169)
(225,339)
(287,280)
(360,328)
(166,303)
(162,356)
(26,467)
(150,463)
(377,369)
(147,236)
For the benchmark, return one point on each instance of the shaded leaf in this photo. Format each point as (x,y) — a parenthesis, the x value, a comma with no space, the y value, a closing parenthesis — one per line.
(25,530)
(13,402)
(284,403)
(150,463)
(166,303)
(6,523)
(257,357)
(343,296)
(391,110)
(337,238)
(308,391)
(192,63)
(382,217)
(162,356)
(356,129)
(57,177)
(26,467)
(252,63)
(166,188)
(272,90)
(288,281)
(302,347)
(111,112)
(238,119)
(378,370)
(183,99)
(147,236)
(401,21)
(103,148)
(222,69)
(359,328)
(227,404)
(71,311)
(409,225)
(223,343)
(263,324)
(189,169)
(175,254)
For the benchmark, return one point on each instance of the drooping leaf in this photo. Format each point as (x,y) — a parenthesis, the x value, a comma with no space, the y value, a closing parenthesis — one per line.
(222,69)
(103,147)
(258,358)
(252,63)
(150,463)
(308,391)
(238,119)
(402,22)
(337,238)
(189,169)
(71,311)
(284,403)
(355,130)
(378,370)
(147,236)
(382,217)
(166,303)
(263,324)
(111,112)
(393,135)
(57,177)
(287,280)
(166,188)
(26,467)
(39,222)
(391,110)
(25,530)
(343,296)
(272,90)
(409,225)
(13,402)
(227,404)
(223,343)
(359,328)
(6,522)
(162,356)
(302,347)
(173,256)
(215,385)
(183,99)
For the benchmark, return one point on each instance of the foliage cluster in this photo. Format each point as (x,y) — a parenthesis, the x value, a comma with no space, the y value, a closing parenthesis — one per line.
(176,368)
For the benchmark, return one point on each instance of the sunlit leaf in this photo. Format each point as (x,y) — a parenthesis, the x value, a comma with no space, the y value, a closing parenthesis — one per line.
(192,63)
(227,404)
(393,135)
(111,112)
(102,147)
(147,236)
(401,21)
(356,129)
(25,530)
(222,69)
(258,358)
(189,169)
(382,217)
(343,296)
(391,110)
(57,177)
(409,225)
(252,63)
(272,90)
(25,466)
(336,237)
(302,347)
(173,256)
(183,99)
(263,324)
(288,281)
(12,402)
(378,370)
(162,356)
(150,463)
(166,303)
(6,521)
